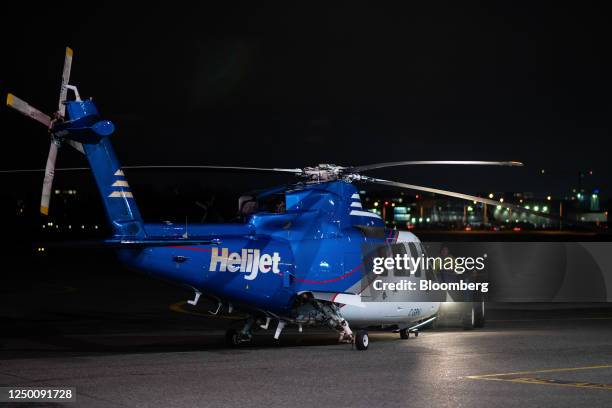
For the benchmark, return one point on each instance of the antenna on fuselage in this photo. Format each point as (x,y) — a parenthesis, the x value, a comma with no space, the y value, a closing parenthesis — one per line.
(186,234)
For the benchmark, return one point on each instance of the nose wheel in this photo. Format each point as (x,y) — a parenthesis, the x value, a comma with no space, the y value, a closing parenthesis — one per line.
(362,340)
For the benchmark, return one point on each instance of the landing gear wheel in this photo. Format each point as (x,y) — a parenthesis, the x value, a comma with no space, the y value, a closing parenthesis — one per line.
(404,334)
(416,334)
(469,317)
(479,320)
(232,338)
(362,340)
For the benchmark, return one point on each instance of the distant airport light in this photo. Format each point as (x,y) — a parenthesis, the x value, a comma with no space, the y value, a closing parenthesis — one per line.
(548,198)
(501,200)
(536,208)
(491,195)
(376,204)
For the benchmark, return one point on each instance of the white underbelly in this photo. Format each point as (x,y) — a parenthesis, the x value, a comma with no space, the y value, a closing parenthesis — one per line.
(388,313)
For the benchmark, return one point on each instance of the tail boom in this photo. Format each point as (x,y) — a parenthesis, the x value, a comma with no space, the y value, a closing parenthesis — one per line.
(86,128)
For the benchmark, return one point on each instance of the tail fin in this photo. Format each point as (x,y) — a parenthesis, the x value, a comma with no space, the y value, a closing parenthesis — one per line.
(84,126)
(84,131)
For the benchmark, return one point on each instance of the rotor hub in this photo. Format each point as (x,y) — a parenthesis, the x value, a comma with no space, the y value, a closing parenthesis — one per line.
(323,172)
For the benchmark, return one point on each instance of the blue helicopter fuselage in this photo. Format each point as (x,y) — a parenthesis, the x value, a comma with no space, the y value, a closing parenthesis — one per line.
(313,245)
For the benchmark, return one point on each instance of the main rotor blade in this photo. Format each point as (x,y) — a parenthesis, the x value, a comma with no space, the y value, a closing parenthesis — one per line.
(65,79)
(233,168)
(196,167)
(25,108)
(463,197)
(48,181)
(358,169)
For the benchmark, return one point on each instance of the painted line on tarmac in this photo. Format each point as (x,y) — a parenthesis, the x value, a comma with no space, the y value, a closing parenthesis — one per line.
(549,381)
(523,377)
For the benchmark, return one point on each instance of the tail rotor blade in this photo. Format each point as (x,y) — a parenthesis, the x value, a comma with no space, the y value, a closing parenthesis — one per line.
(48,181)
(65,79)
(25,108)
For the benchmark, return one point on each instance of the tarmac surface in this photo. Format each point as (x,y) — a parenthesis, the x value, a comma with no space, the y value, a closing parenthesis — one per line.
(124,340)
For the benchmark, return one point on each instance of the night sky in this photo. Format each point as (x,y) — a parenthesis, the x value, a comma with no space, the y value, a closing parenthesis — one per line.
(288,85)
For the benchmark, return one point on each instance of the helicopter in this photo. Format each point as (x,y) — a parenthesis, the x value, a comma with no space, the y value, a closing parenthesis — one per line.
(300,263)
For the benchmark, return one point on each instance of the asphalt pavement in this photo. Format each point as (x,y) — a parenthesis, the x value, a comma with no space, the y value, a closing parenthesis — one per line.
(124,340)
